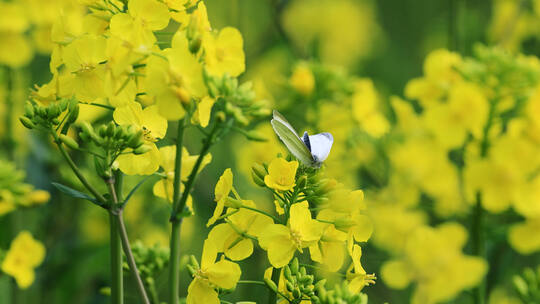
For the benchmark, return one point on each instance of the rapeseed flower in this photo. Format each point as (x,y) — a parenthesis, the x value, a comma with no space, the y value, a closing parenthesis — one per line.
(222,274)
(281,242)
(24,255)
(153,126)
(222,191)
(281,174)
(224,53)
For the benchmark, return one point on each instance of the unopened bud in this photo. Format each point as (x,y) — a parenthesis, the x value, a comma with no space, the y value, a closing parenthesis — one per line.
(28,110)
(270,284)
(142,149)
(255,136)
(302,182)
(294,266)
(73,115)
(259,170)
(68,141)
(233,203)
(195,45)
(27,122)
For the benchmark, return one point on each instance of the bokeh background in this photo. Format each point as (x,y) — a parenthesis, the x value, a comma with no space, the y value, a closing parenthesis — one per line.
(354,49)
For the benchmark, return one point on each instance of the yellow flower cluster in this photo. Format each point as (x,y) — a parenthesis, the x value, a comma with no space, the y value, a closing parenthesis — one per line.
(328,233)
(23,256)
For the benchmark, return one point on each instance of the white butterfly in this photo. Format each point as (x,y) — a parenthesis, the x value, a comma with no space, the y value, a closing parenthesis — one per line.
(310,150)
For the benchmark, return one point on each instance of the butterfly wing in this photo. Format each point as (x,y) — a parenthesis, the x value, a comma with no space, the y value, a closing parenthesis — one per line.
(290,138)
(320,145)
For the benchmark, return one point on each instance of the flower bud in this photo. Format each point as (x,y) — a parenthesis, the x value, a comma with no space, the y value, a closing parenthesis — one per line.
(73,115)
(28,110)
(142,149)
(296,293)
(302,182)
(136,140)
(195,44)
(110,129)
(68,141)
(289,286)
(233,203)
(255,136)
(294,266)
(193,261)
(270,284)
(287,273)
(27,122)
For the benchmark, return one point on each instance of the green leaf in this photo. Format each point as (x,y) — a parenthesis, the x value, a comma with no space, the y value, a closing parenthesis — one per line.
(135,189)
(76,194)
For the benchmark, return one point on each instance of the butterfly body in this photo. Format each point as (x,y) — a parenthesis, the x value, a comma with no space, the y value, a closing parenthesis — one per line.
(310,150)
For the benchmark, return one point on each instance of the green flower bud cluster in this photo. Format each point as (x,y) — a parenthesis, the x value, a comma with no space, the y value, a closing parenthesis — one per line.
(501,71)
(45,117)
(114,138)
(150,260)
(298,282)
(527,285)
(339,295)
(309,182)
(237,101)
(13,190)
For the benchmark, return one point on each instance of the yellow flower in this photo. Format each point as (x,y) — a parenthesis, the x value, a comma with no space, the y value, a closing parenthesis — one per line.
(223,274)
(523,236)
(83,58)
(36,197)
(225,53)
(135,28)
(358,278)
(465,112)
(175,81)
(7,202)
(16,50)
(153,126)
(204,109)
(222,190)
(302,79)
(164,188)
(437,251)
(281,242)
(330,250)
(230,238)
(365,107)
(24,254)
(281,174)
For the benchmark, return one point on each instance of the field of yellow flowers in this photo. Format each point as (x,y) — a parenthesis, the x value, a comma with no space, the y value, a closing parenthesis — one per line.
(269,151)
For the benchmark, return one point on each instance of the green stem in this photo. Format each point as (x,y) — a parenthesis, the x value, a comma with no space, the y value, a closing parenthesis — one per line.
(252,282)
(8,117)
(178,207)
(174,245)
(478,245)
(77,171)
(192,176)
(272,296)
(262,212)
(117,213)
(117,281)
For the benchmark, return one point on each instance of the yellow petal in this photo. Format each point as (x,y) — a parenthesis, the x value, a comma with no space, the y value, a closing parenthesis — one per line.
(199,292)
(224,274)
(396,274)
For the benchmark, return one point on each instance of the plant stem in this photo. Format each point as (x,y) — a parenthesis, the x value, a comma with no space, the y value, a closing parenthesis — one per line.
(272,296)
(478,245)
(77,172)
(179,205)
(174,245)
(117,213)
(117,281)
(117,284)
